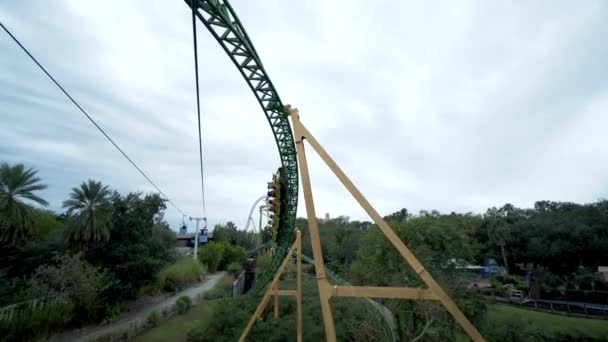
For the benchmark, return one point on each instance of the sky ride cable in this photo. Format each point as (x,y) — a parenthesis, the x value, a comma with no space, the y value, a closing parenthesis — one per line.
(198,107)
(91,119)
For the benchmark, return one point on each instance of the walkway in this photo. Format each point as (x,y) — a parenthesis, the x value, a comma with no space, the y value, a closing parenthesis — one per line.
(139,313)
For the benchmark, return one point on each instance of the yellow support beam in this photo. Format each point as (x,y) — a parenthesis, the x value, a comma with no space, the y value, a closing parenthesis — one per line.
(325,288)
(273,291)
(284,293)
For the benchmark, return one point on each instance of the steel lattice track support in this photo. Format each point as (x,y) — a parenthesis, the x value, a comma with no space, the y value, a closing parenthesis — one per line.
(222,22)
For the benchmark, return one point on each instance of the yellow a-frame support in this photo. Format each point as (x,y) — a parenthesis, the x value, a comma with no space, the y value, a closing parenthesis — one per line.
(326,289)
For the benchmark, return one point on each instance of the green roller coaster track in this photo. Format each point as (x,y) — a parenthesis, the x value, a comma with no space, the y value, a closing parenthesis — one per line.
(223,23)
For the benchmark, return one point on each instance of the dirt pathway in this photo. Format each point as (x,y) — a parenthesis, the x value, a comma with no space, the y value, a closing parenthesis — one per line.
(139,313)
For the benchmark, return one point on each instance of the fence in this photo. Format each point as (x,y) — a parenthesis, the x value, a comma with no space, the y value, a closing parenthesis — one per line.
(570,308)
(8,312)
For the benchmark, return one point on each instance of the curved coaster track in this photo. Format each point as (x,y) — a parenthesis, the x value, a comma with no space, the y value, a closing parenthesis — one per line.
(222,22)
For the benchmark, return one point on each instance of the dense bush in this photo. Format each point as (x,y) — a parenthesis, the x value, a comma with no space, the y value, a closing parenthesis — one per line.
(228,321)
(234,269)
(183,304)
(177,276)
(232,254)
(139,246)
(500,281)
(32,324)
(211,255)
(73,281)
(353,318)
(218,255)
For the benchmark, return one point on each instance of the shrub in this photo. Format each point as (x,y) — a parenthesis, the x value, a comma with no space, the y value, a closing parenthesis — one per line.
(234,269)
(33,324)
(218,255)
(222,289)
(74,281)
(228,320)
(232,254)
(183,304)
(154,318)
(211,255)
(177,276)
(516,281)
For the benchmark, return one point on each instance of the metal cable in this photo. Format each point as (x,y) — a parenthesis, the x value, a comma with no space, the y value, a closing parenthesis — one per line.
(198,107)
(90,118)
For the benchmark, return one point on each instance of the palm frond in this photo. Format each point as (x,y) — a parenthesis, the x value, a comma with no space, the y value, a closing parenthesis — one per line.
(17,184)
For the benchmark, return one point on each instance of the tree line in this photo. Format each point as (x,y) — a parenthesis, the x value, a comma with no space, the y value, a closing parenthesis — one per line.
(105,249)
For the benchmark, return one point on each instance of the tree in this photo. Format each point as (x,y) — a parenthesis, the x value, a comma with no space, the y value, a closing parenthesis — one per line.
(17,185)
(499,234)
(139,245)
(90,214)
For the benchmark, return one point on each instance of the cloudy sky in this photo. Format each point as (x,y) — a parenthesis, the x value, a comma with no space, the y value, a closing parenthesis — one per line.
(453,105)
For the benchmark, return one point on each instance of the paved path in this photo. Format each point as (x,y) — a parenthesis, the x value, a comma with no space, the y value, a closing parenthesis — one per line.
(138,314)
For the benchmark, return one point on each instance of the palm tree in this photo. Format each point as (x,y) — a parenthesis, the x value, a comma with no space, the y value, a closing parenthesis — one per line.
(90,214)
(17,185)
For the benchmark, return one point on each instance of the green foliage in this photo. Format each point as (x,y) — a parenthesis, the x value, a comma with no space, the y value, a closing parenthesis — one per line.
(230,315)
(262,262)
(553,281)
(177,276)
(434,239)
(211,255)
(234,269)
(18,186)
(229,233)
(46,222)
(73,281)
(507,323)
(232,254)
(33,324)
(139,246)
(228,320)
(499,281)
(222,289)
(218,255)
(154,318)
(90,214)
(559,236)
(183,303)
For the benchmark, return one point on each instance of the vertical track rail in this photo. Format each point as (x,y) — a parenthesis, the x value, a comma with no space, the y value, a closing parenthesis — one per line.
(222,22)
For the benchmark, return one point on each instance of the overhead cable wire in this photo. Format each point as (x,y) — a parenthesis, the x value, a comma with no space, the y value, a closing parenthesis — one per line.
(90,118)
(198,106)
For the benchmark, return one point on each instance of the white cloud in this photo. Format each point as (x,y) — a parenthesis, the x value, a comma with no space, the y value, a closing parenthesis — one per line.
(451,106)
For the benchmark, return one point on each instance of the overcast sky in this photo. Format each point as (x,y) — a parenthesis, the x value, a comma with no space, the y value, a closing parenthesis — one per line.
(453,105)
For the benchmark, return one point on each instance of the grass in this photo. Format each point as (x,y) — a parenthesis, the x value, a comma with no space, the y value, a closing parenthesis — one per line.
(222,289)
(180,274)
(499,316)
(177,328)
(595,328)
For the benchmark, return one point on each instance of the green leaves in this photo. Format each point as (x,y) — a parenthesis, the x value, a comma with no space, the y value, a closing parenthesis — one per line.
(90,214)
(17,187)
